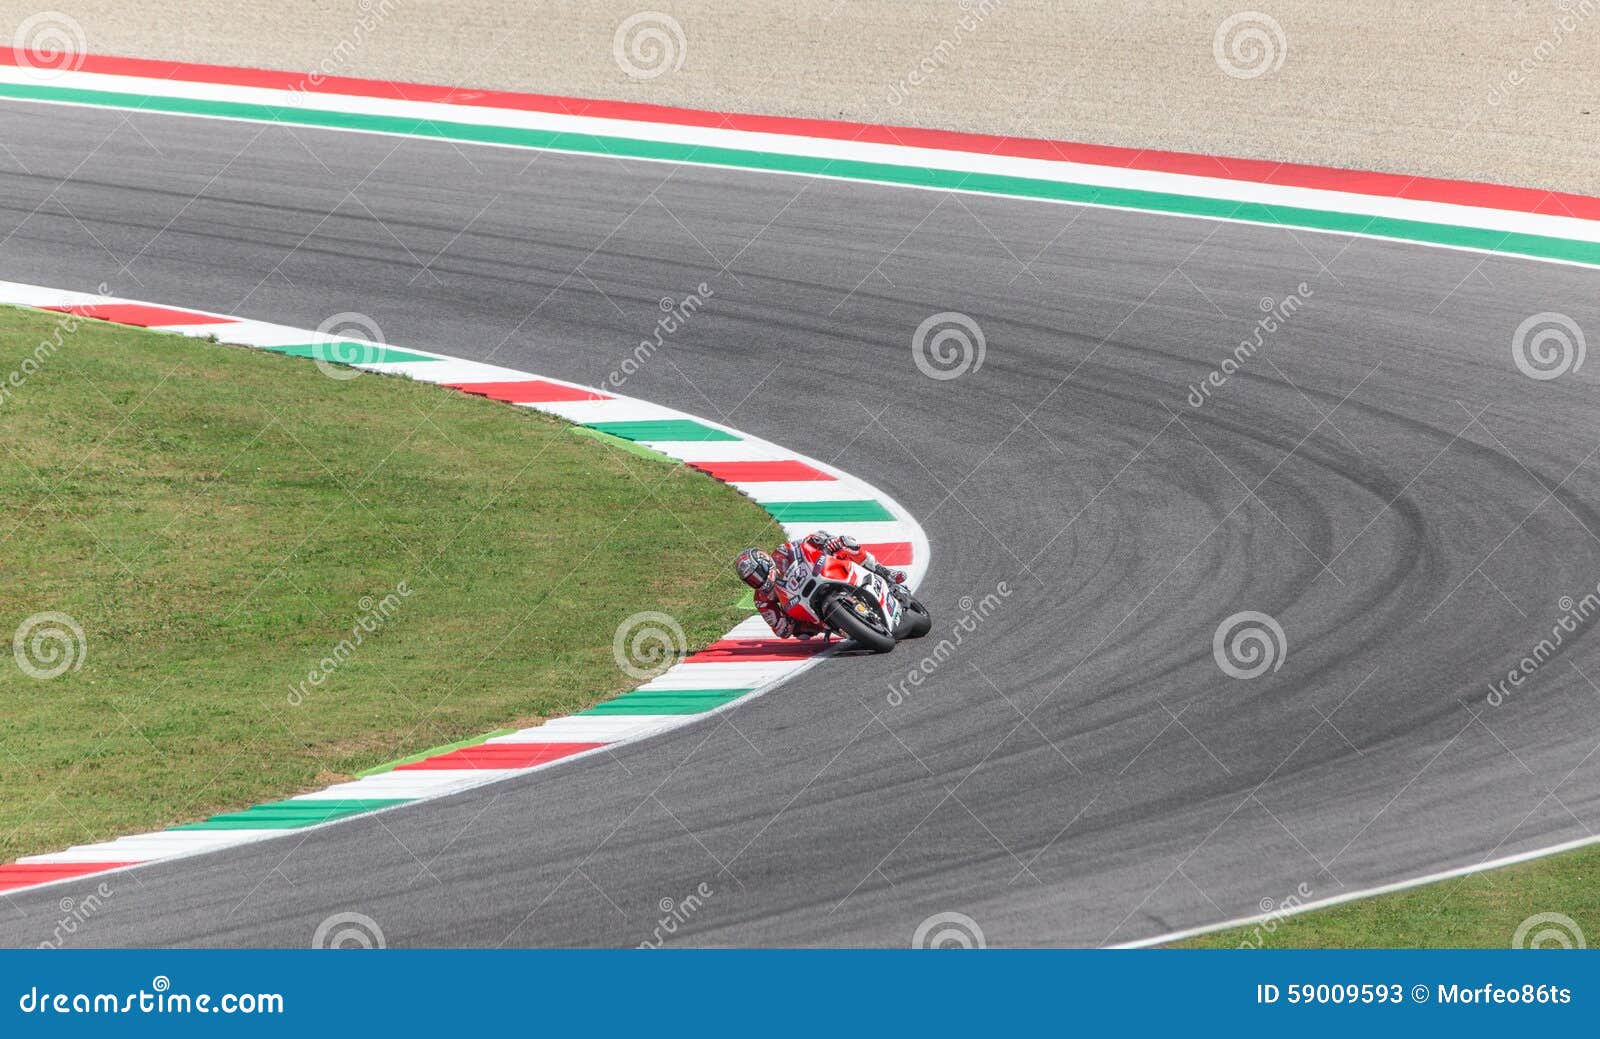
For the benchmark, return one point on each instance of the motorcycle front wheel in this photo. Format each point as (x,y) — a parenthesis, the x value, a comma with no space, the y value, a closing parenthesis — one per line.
(914,620)
(859,621)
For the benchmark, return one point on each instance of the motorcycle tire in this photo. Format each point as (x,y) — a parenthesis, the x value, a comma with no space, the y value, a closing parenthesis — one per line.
(914,620)
(857,628)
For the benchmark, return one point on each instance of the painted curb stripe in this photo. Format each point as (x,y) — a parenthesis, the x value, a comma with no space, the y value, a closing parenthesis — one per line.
(290,814)
(21,875)
(827,511)
(675,701)
(1360,182)
(1477,228)
(528,391)
(758,472)
(1472,238)
(343,352)
(730,651)
(662,431)
(139,314)
(577,728)
(893,554)
(390,766)
(501,755)
(746,662)
(147,847)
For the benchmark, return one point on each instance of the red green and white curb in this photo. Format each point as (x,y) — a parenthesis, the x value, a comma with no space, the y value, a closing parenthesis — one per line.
(801,493)
(1528,223)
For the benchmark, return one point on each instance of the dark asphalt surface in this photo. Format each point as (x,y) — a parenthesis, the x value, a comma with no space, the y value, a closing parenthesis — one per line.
(1380,479)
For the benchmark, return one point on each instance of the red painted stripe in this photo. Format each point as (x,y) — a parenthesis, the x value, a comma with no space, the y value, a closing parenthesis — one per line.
(1460,192)
(744,651)
(501,755)
(891,553)
(142,314)
(758,472)
(18,875)
(528,391)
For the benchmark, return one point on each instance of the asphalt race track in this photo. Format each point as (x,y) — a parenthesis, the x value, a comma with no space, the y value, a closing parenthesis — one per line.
(1381,479)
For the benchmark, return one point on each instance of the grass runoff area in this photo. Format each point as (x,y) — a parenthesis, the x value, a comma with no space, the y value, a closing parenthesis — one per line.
(216,520)
(1482,910)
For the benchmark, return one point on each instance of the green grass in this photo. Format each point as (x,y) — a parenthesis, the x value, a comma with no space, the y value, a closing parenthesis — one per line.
(218,519)
(1482,910)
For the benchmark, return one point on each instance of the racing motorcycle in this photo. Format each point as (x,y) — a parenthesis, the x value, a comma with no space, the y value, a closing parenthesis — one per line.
(846,599)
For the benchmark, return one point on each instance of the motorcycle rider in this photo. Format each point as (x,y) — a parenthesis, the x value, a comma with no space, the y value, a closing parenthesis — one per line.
(764,572)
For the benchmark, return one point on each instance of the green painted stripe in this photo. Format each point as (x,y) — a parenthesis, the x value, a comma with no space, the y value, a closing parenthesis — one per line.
(667,701)
(349,353)
(661,429)
(290,815)
(619,444)
(1539,246)
(747,601)
(827,511)
(430,752)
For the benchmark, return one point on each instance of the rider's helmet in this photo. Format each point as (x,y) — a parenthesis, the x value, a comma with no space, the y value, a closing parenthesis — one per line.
(756,569)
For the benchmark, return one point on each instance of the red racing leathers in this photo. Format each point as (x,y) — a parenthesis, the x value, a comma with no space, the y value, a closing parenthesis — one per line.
(805,552)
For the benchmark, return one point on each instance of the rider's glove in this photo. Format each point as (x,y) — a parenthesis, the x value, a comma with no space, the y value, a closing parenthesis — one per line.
(888,573)
(841,543)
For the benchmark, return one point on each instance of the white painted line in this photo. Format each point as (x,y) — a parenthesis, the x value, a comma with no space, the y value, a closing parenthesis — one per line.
(591,728)
(718,676)
(149,846)
(724,451)
(450,371)
(1351,896)
(619,410)
(801,490)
